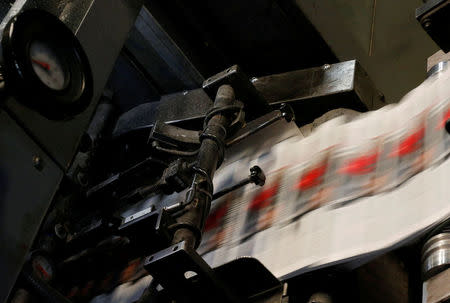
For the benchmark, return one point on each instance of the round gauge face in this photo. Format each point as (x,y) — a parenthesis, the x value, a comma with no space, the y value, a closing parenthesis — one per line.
(42,268)
(48,66)
(45,66)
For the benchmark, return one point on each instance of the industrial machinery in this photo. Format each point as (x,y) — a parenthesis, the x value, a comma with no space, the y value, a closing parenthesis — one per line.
(86,161)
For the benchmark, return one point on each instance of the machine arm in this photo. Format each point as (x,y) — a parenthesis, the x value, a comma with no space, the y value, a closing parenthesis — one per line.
(210,156)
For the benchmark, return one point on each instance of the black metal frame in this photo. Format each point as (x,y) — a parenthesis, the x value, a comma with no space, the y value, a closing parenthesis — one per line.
(434,16)
(169,267)
(186,277)
(310,92)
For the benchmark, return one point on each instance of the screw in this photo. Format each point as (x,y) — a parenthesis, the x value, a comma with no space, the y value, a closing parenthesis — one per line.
(326,66)
(37,162)
(426,23)
(254,79)
(285,289)
(195,202)
(287,112)
(60,231)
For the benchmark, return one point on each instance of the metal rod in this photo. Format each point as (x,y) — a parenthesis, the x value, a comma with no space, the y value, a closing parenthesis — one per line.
(285,112)
(255,130)
(256,176)
(199,195)
(231,188)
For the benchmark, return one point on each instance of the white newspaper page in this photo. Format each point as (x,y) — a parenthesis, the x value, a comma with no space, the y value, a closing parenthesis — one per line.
(348,190)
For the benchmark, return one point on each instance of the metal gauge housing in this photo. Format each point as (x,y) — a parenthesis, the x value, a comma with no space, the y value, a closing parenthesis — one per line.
(42,267)
(44,65)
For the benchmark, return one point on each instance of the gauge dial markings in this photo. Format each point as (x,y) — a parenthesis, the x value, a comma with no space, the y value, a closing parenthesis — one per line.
(47,65)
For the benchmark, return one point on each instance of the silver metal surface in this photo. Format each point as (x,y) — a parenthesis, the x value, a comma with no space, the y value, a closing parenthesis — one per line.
(440,67)
(5,6)
(436,255)
(9,11)
(320,298)
(102,27)
(55,7)
(28,181)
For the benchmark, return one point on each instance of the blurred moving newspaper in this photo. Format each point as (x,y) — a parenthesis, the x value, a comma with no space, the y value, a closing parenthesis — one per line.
(350,189)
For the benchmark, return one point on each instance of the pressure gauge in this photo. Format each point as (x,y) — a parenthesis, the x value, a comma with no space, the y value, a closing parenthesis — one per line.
(48,65)
(43,267)
(44,65)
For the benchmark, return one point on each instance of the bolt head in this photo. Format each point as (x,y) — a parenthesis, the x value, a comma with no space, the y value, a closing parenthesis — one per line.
(257,175)
(37,162)
(427,23)
(60,231)
(287,112)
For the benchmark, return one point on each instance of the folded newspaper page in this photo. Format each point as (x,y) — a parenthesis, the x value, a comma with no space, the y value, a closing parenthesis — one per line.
(349,189)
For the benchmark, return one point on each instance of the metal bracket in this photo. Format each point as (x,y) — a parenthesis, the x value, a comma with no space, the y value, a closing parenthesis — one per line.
(284,112)
(244,89)
(173,135)
(433,15)
(148,224)
(251,280)
(188,278)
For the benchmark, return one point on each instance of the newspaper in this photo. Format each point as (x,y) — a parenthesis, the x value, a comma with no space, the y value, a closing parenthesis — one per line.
(350,189)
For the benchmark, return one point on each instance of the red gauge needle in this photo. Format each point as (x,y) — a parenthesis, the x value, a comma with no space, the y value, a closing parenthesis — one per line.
(44,65)
(43,271)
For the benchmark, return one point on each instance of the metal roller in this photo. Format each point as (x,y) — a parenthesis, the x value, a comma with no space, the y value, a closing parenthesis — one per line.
(436,254)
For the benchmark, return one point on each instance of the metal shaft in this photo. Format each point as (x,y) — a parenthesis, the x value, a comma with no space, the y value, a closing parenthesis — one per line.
(256,176)
(199,195)
(232,188)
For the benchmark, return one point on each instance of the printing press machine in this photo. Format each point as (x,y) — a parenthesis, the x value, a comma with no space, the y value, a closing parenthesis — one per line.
(101,110)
